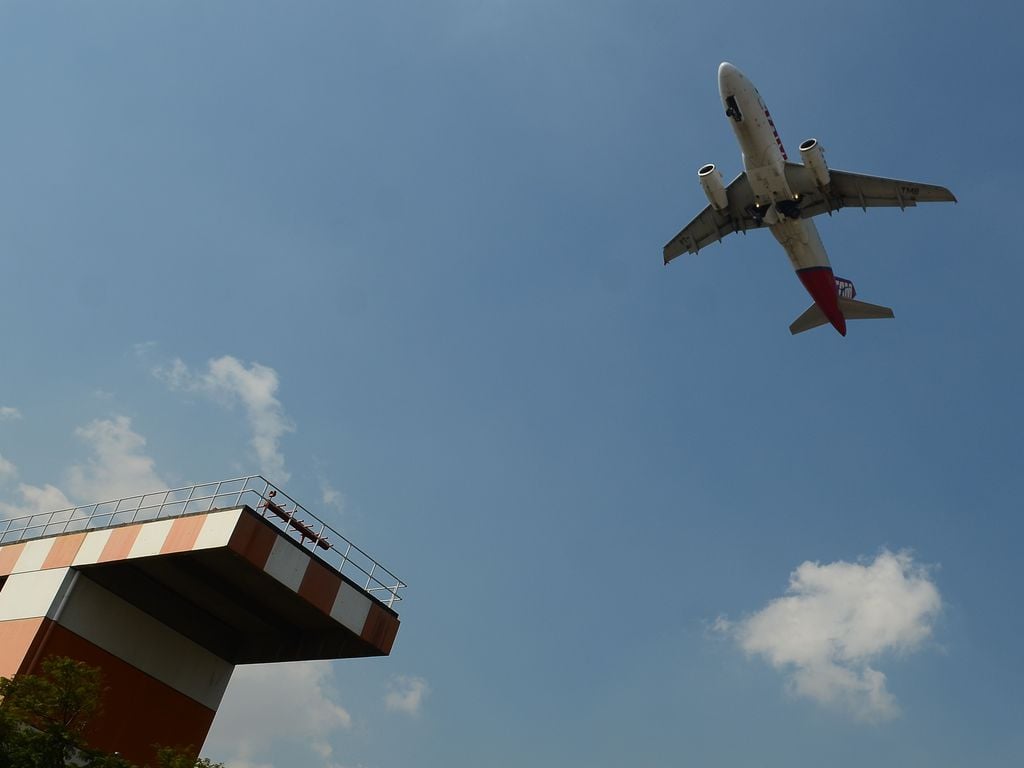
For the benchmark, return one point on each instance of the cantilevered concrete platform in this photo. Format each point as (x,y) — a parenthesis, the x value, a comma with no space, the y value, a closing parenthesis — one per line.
(167,602)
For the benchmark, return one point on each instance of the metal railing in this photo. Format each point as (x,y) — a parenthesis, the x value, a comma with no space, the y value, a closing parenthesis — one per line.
(256,491)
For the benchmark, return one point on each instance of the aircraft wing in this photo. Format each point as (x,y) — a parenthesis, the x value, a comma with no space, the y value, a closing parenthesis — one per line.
(853,189)
(711,226)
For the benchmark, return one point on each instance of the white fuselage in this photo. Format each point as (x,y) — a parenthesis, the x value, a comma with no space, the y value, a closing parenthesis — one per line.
(764,160)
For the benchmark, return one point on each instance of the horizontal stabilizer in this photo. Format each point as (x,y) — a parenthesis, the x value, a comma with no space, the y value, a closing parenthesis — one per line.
(861,310)
(812,318)
(851,309)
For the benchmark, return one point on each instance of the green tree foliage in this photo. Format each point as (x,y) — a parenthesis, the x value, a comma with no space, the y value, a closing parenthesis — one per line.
(169,757)
(43,719)
(45,715)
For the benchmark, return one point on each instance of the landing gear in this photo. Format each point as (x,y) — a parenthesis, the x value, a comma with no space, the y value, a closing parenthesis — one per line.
(783,210)
(789,209)
(732,109)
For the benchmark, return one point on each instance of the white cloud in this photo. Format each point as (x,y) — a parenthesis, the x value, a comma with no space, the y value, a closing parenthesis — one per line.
(836,621)
(7,470)
(406,694)
(143,348)
(274,704)
(331,496)
(118,466)
(35,500)
(7,413)
(255,387)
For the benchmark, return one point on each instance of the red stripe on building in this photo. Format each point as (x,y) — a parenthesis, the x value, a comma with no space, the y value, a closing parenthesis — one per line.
(253,539)
(320,586)
(16,640)
(380,628)
(64,549)
(183,534)
(168,717)
(119,544)
(9,557)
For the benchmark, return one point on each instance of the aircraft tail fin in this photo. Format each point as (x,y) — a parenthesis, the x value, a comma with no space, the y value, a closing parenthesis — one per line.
(851,309)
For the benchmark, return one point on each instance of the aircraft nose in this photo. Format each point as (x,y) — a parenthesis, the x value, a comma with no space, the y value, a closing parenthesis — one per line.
(728,75)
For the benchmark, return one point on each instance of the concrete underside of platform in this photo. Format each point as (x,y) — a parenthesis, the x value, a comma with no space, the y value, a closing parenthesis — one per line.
(222,602)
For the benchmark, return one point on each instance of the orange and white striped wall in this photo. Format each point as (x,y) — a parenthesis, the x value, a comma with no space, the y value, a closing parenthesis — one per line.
(167,608)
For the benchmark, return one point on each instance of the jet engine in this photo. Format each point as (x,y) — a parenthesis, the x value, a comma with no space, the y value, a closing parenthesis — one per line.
(814,158)
(714,188)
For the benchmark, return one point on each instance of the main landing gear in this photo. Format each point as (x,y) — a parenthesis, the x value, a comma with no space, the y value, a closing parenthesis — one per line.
(790,209)
(784,209)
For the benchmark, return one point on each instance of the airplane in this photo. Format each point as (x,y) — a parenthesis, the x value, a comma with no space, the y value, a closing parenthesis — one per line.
(785,196)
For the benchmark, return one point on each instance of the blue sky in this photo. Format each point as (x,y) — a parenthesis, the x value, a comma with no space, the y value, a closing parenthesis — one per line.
(423,241)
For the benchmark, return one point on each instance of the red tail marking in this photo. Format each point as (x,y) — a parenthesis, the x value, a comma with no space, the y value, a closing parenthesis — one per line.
(821,284)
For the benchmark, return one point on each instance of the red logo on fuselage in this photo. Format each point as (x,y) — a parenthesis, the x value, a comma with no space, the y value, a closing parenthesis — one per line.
(775,133)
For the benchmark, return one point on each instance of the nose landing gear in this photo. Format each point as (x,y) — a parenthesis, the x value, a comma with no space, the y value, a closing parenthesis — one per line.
(732,109)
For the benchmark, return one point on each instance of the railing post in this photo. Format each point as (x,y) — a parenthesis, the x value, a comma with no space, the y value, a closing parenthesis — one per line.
(138,507)
(369,576)
(216,493)
(188,500)
(160,505)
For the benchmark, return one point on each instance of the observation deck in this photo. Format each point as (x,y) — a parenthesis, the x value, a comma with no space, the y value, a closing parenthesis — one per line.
(168,591)
(254,491)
